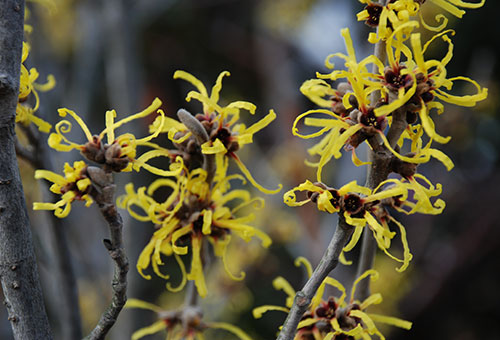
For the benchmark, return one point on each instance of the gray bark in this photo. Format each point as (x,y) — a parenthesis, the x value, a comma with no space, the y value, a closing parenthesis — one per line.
(18,270)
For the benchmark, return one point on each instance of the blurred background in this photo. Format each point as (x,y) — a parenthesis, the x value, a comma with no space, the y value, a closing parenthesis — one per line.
(122,54)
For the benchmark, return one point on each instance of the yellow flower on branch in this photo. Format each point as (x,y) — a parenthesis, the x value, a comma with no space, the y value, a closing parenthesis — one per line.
(334,317)
(361,206)
(75,185)
(25,112)
(180,324)
(415,82)
(192,213)
(352,120)
(116,153)
(387,17)
(226,135)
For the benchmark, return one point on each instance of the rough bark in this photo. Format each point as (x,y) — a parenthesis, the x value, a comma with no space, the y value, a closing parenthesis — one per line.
(18,270)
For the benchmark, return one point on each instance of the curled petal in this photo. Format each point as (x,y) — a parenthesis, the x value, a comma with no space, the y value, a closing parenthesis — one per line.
(259,311)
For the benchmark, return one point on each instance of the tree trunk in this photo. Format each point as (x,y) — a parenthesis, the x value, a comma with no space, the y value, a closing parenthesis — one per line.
(18,270)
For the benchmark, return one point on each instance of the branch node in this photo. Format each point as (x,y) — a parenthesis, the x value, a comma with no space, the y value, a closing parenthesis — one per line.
(301,299)
(107,244)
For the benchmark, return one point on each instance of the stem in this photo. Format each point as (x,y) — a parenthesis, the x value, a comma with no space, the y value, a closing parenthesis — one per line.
(377,173)
(18,269)
(328,262)
(117,254)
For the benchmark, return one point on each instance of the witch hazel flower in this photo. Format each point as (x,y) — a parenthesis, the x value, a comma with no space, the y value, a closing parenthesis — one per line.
(222,124)
(194,213)
(334,317)
(115,153)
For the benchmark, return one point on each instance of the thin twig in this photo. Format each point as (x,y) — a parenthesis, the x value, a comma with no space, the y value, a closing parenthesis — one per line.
(328,262)
(117,254)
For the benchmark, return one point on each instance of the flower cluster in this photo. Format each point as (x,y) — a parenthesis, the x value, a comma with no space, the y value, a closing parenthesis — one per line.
(393,14)
(221,124)
(387,100)
(361,206)
(334,318)
(191,213)
(74,186)
(180,324)
(192,204)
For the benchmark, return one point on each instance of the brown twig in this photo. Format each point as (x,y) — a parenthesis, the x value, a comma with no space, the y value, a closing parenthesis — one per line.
(104,198)
(328,262)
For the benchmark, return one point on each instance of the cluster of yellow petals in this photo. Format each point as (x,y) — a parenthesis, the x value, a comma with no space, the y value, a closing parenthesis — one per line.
(177,331)
(25,113)
(337,130)
(127,141)
(225,116)
(392,16)
(410,194)
(397,13)
(364,329)
(212,211)
(432,70)
(70,187)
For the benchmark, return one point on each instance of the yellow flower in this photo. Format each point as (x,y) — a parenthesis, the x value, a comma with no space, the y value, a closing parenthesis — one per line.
(416,81)
(116,153)
(350,125)
(334,317)
(75,185)
(25,113)
(221,123)
(387,18)
(191,214)
(361,206)
(180,324)
(396,13)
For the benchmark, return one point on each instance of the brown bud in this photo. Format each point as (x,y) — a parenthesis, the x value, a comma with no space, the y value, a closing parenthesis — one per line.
(405,169)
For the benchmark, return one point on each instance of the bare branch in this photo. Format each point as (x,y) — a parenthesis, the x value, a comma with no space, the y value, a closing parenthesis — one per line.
(328,262)
(114,245)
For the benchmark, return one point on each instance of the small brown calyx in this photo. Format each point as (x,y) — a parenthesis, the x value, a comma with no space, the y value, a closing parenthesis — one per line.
(313,195)
(405,169)
(369,119)
(335,200)
(423,93)
(352,203)
(338,106)
(394,79)
(326,309)
(109,155)
(225,136)
(345,321)
(374,11)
